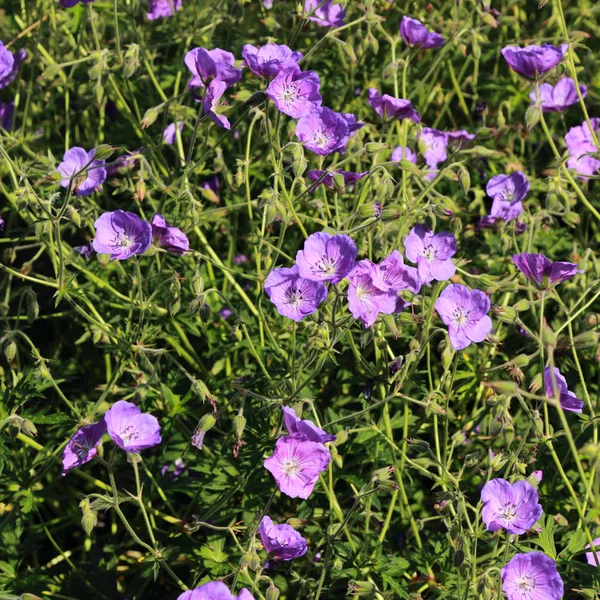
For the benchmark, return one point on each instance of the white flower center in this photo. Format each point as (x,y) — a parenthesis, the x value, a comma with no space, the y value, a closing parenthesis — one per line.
(526,583)
(508,512)
(290,95)
(460,317)
(429,253)
(129,434)
(291,466)
(326,265)
(320,139)
(122,240)
(294,297)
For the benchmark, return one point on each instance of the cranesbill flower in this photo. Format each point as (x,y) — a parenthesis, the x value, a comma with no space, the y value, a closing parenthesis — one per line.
(393,275)
(85,251)
(162,8)
(389,108)
(296,463)
(327,15)
(90,170)
(82,447)
(464,311)
(323,131)
(214,590)
(589,556)
(568,399)
(207,65)
(559,97)
(328,180)
(512,188)
(533,61)
(212,102)
(294,296)
(460,137)
(304,427)
(532,576)
(414,33)
(7,110)
(432,253)
(326,257)
(269,60)
(281,541)
(579,142)
(295,92)
(513,507)
(170,133)
(433,145)
(543,272)
(170,238)
(404,153)
(121,234)
(130,428)
(9,64)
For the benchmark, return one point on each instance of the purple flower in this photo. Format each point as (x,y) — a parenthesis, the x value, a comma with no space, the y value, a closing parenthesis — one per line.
(433,144)
(326,257)
(404,153)
(294,296)
(130,428)
(162,8)
(579,142)
(122,162)
(169,237)
(559,97)
(7,111)
(533,61)
(296,463)
(269,60)
(543,272)
(414,33)
(211,186)
(304,427)
(85,251)
(323,131)
(82,447)
(353,126)
(393,275)
(568,400)
(460,137)
(464,311)
(328,180)
(389,108)
(295,92)
(225,313)
(513,507)
(240,259)
(281,541)
(589,556)
(327,15)
(512,188)
(9,65)
(178,468)
(432,253)
(214,590)
(207,65)
(121,234)
(532,576)
(70,3)
(90,171)
(169,133)
(1,224)
(212,102)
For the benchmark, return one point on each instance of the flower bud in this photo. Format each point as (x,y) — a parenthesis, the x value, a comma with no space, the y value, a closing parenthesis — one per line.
(205,423)
(296,523)
(509,388)
(587,339)
(497,461)
(522,305)
(532,116)
(464,178)
(149,117)
(374,147)
(362,589)
(132,60)
(383,474)
(521,360)
(239,424)
(548,336)
(199,388)
(10,350)
(535,478)
(536,383)
(507,314)
(103,152)
(140,190)
(90,517)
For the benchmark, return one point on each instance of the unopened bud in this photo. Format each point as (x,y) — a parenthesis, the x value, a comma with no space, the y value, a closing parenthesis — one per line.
(272,593)
(239,424)
(205,423)
(140,190)
(383,474)
(374,147)
(548,336)
(103,151)
(10,350)
(132,60)
(90,517)
(507,314)
(497,461)
(464,178)
(522,305)
(509,388)
(296,523)
(587,339)
(535,478)
(362,589)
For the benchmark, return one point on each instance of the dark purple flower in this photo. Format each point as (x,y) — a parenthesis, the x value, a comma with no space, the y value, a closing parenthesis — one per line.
(328,180)
(580,142)
(568,399)
(323,131)
(589,556)
(393,275)
(414,33)
(390,108)
(353,126)
(130,428)
(326,257)
(464,311)
(294,296)
(543,272)
(170,238)
(433,145)
(533,61)
(304,427)
(327,15)
(10,64)
(122,162)
(532,576)
(90,171)
(281,541)
(513,507)
(121,234)
(169,133)
(559,97)
(295,92)
(212,103)
(269,60)
(71,3)
(460,137)
(214,590)
(85,251)
(82,447)
(162,8)
(7,111)
(207,65)
(432,253)
(404,153)
(512,188)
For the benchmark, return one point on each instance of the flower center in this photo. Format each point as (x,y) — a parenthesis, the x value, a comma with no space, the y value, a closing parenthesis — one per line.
(508,512)
(460,317)
(326,265)
(526,583)
(129,434)
(294,297)
(122,240)
(291,466)
(290,95)
(320,139)
(429,253)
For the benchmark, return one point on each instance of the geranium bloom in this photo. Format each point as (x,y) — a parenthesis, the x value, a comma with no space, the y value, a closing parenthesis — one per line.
(460,137)
(513,507)
(589,556)
(214,590)
(579,142)
(169,133)
(281,541)
(327,15)
(432,253)
(414,33)
(295,92)
(85,251)
(326,257)
(559,97)
(328,180)
(162,8)
(543,272)
(269,60)
(433,145)
(404,153)
(568,399)
(294,296)
(130,428)
(512,188)
(389,108)
(532,576)
(393,275)
(304,427)
(464,311)
(9,65)
(82,447)
(207,65)
(121,234)
(533,61)
(169,237)
(323,131)
(7,110)
(212,102)
(296,463)
(91,171)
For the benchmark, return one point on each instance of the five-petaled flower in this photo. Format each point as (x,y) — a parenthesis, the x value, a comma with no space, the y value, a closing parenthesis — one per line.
(542,271)
(390,108)
(324,131)
(83,446)
(130,428)
(304,427)
(281,541)
(325,14)
(295,92)
(82,171)
(559,97)
(9,65)
(214,590)
(414,33)
(270,59)
(121,234)
(326,257)
(432,252)
(532,576)
(568,399)
(533,61)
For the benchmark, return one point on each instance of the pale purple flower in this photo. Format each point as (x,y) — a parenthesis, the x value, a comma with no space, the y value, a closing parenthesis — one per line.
(513,507)
(178,468)
(7,110)
(294,296)
(162,8)
(85,251)
(207,65)
(281,541)
(328,180)
(464,311)
(169,133)
(214,590)
(10,64)
(432,253)
(240,259)
(170,238)
(326,257)
(121,234)
(130,428)
(304,427)
(212,103)
(404,153)
(568,399)
(327,15)
(414,33)
(323,131)
(543,272)
(270,59)
(90,171)
(295,92)
(536,478)
(589,556)
(460,137)
(512,188)
(389,108)
(433,145)
(225,312)
(70,3)
(533,61)
(296,463)
(580,142)
(82,447)
(559,97)
(532,576)
(393,275)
